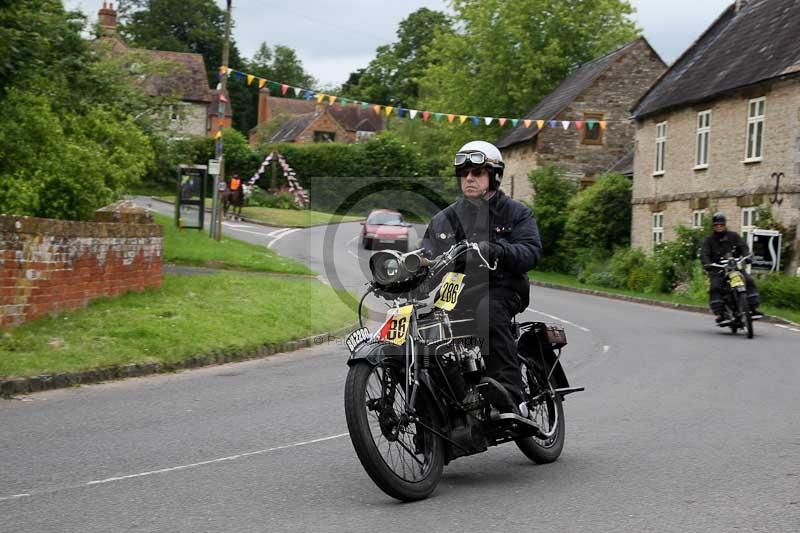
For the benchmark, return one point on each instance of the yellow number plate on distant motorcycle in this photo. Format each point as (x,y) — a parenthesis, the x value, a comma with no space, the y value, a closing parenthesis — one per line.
(736,279)
(449,291)
(395,328)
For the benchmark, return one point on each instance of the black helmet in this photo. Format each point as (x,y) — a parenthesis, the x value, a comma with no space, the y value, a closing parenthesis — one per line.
(481,154)
(719,218)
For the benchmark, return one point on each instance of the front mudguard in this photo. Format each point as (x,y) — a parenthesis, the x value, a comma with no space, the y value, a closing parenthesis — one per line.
(378,352)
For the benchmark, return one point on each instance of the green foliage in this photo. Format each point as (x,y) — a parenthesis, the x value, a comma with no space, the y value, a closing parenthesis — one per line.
(517,52)
(553,191)
(259,197)
(780,290)
(599,219)
(675,260)
(173,152)
(392,78)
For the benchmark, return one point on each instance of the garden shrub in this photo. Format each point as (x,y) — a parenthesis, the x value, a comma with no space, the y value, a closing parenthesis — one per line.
(552,194)
(780,290)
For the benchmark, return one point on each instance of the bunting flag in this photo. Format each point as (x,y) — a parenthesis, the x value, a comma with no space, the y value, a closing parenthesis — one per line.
(223,98)
(401,112)
(218,135)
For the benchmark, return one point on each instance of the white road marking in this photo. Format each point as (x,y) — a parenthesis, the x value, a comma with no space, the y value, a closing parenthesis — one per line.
(281,236)
(559,319)
(172,469)
(351,252)
(251,232)
(353,239)
(784,326)
(606,348)
(231,225)
(278,232)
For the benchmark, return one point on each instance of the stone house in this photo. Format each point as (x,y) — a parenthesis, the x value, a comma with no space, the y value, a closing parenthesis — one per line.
(720,131)
(181,76)
(598,95)
(306,121)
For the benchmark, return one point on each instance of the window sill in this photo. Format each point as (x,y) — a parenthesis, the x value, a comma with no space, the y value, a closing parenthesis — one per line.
(751,161)
(700,167)
(658,174)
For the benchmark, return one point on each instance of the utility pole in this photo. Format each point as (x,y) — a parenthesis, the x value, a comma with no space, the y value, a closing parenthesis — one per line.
(216,205)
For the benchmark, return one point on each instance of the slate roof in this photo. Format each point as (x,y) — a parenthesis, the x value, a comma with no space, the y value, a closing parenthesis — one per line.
(624,165)
(555,102)
(293,127)
(739,49)
(350,117)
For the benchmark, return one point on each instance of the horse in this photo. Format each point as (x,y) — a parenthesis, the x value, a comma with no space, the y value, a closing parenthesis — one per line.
(234,198)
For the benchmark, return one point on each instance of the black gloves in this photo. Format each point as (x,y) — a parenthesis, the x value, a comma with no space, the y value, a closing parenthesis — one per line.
(490,251)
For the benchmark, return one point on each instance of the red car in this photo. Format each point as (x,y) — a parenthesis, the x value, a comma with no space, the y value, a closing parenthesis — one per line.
(385,228)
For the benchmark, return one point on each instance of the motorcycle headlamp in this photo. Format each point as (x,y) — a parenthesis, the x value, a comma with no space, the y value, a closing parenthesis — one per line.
(387,267)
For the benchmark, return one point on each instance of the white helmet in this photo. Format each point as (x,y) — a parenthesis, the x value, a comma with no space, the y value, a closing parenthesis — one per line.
(481,154)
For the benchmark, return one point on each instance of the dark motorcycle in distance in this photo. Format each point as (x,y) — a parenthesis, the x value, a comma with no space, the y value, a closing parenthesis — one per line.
(737,305)
(417,395)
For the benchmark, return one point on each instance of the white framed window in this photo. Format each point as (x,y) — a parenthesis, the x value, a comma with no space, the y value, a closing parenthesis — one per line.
(658,228)
(661,146)
(362,136)
(697,218)
(748,221)
(756,110)
(701,144)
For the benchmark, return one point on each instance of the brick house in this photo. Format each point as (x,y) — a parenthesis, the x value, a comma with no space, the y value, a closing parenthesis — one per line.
(713,133)
(306,121)
(602,91)
(196,112)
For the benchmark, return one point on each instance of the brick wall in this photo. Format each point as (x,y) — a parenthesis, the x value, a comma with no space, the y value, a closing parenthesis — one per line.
(326,123)
(728,184)
(49,266)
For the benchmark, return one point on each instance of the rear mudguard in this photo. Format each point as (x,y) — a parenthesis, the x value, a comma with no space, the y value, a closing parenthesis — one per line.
(538,350)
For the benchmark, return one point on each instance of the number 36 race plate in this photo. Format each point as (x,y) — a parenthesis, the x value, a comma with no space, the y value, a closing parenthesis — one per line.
(395,328)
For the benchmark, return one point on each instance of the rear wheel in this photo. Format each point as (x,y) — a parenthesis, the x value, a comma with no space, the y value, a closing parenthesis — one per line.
(400,455)
(546,411)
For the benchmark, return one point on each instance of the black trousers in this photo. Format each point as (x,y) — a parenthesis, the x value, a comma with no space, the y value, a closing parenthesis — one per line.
(717,289)
(493,311)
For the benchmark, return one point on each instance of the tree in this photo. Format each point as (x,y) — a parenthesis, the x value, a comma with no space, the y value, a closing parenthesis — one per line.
(553,192)
(516,52)
(599,218)
(392,78)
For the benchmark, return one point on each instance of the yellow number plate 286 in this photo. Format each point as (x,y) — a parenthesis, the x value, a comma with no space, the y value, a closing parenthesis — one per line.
(449,291)
(395,328)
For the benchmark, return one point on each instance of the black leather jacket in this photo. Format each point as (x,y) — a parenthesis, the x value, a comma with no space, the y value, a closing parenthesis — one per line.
(501,220)
(716,247)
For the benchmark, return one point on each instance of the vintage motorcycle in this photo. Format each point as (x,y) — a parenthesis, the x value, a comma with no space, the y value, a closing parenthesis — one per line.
(417,395)
(737,305)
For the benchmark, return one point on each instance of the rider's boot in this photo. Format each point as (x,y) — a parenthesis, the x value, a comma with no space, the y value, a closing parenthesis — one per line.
(723,319)
(500,397)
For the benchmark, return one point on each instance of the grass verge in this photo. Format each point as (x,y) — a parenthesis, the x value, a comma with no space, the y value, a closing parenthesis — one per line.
(296,218)
(194,247)
(570,281)
(188,316)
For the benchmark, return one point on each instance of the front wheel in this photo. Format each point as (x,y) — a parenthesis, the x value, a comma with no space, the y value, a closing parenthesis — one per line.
(744,312)
(546,411)
(402,456)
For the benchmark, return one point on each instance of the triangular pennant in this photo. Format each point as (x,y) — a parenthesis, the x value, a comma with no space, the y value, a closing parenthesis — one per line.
(450,118)
(590,124)
(223,98)
(388,110)
(540,124)
(343,101)
(284,88)
(579,124)
(273,84)
(218,135)
(552,124)
(438,116)
(462,118)
(239,75)
(602,124)
(412,113)
(514,122)
(250,79)
(426,115)
(377,108)
(331,99)
(488,120)
(527,122)
(309,95)
(565,124)
(364,105)
(320,97)
(297,91)
(400,112)
(475,120)
(261,83)
(502,122)
(223,70)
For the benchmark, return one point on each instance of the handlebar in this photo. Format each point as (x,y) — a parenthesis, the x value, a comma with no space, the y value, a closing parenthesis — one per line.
(737,260)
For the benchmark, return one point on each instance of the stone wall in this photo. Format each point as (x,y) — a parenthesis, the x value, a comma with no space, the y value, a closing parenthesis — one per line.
(50,266)
(728,184)
(612,94)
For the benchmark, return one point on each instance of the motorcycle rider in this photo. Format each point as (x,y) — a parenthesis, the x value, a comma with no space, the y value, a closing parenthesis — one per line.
(506,232)
(718,245)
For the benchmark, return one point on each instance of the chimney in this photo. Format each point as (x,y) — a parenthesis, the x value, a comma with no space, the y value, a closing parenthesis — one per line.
(107,18)
(739,5)
(264,111)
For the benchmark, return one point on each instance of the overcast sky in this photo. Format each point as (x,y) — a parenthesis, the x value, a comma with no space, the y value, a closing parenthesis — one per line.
(335,37)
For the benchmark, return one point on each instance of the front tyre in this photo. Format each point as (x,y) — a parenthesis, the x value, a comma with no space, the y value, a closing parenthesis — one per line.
(744,312)
(546,411)
(403,458)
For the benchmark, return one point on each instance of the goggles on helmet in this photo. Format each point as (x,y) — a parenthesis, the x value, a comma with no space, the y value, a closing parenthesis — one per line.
(472,158)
